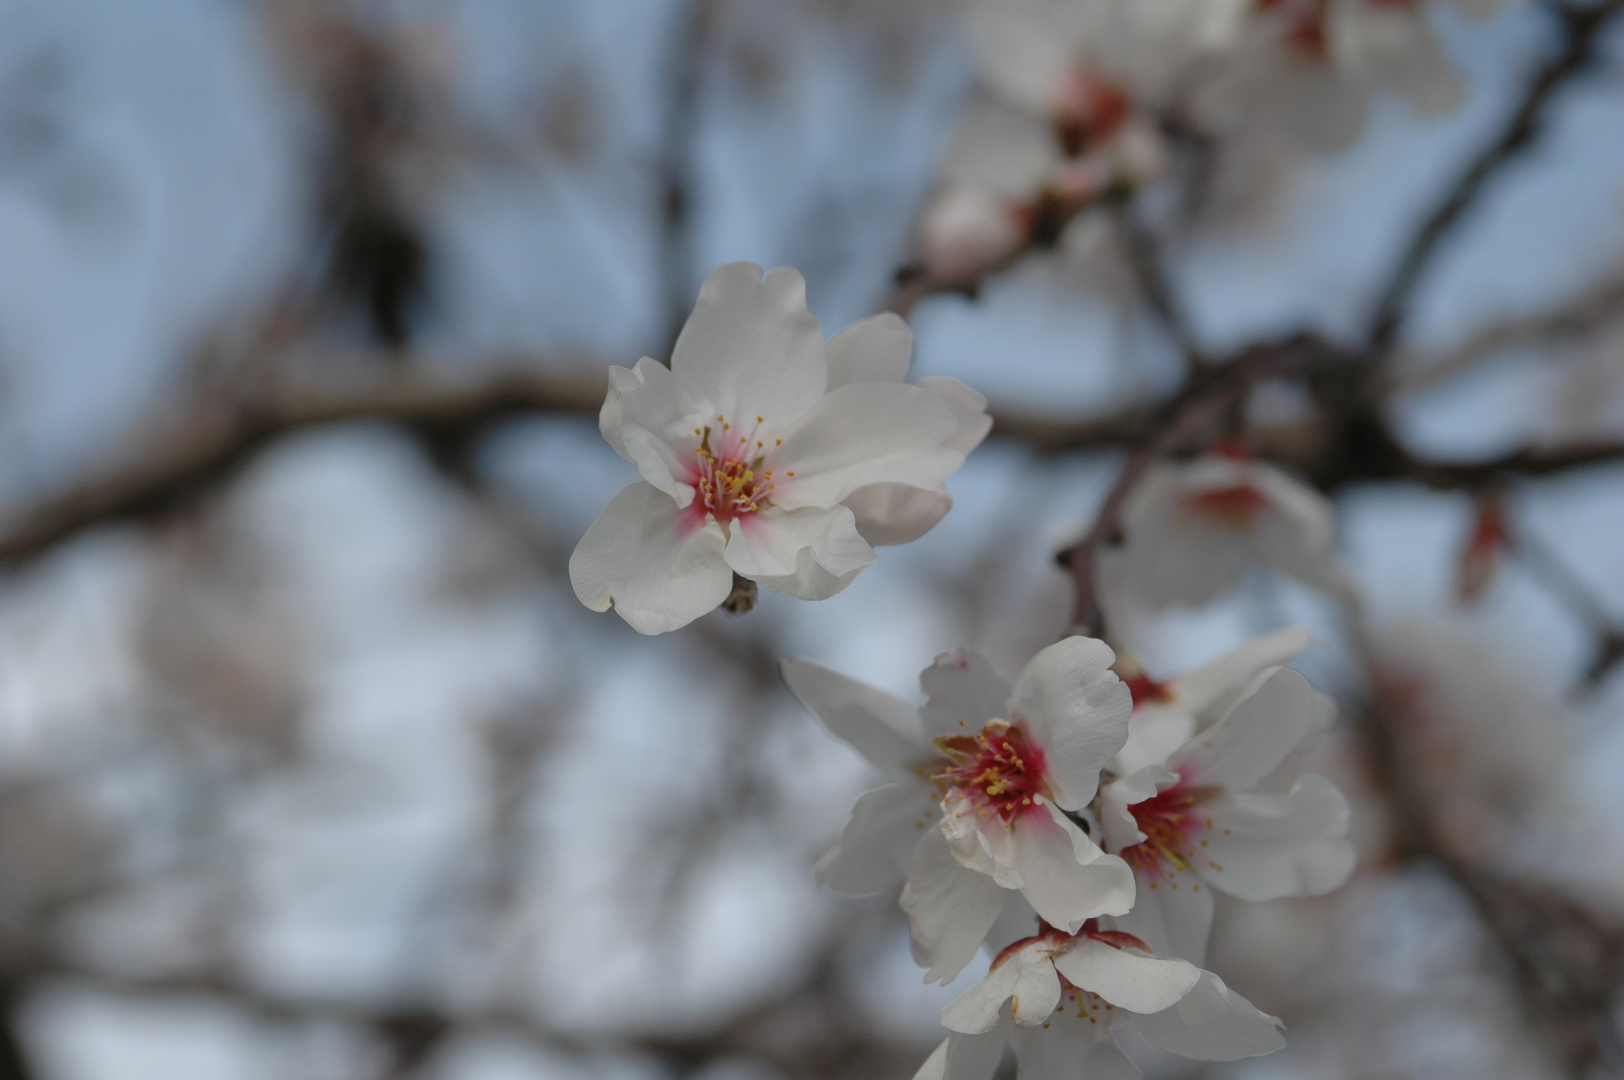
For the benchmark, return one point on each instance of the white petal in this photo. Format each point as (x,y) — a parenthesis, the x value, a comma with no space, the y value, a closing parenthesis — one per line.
(751,347)
(769,544)
(969,408)
(1118,824)
(1024,975)
(975,1057)
(880,726)
(1172,913)
(1212,689)
(950,908)
(861,434)
(1211,1023)
(1060,871)
(1263,847)
(896,513)
(1298,535)
(964,692)
(658,565)
(1076,710)
(609,416)
(875,350)
(1070,1048)
(810,580)
(875,849)
(1155,733)
(1128,980)
(935,1066)
(1258,733)
(656,427)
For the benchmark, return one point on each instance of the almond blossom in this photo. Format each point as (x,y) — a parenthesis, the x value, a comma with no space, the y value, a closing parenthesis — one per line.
(984,778)
(766,454)
(1070,994)
(1196,824)
(1191,531)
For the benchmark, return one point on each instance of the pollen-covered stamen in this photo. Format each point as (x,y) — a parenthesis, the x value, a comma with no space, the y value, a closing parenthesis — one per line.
(998,770)
(729,473)
(1170,821)
(1237,504)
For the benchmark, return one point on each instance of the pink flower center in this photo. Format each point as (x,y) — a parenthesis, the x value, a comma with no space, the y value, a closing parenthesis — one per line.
(1143,688)
(1170,821)
(1237,504)
(728,472)
(998,770)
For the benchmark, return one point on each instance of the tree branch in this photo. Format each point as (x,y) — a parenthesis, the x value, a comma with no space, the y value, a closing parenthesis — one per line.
(1581,27)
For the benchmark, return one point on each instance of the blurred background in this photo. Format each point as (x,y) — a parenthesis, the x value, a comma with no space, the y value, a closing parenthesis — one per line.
(312,766)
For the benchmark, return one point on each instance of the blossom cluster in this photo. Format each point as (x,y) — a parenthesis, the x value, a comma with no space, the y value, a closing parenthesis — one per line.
(1074,822)
(1076,96)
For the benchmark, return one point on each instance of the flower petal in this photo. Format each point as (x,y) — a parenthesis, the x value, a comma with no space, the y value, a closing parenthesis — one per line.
(1118,824)
(964,692)
(751,347)
(1211,1023)
(1060,871)
(810,580)
(1263,847)
(1070,1047)
(861,434)
(769,544)
(1298,535)
(656,426)
(1024,976)
(1212,689)
(1258,733)
(950,909)
(1172,913)
(877,349)
(967,1057)
(876,847)
(1077,711)
(1129,980)
(654,561)
(969,409)
(896,513)
(881,727)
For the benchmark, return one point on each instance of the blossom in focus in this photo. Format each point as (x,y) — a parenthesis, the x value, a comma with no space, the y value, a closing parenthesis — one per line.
(983,776)
(766,454)
(1195,823)
(1191,530)
(1070,994)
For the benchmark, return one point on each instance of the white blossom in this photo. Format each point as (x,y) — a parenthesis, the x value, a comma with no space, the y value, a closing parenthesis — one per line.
(983,777)
(1070,994)
(1196,823)
(1191,530)
(766,454)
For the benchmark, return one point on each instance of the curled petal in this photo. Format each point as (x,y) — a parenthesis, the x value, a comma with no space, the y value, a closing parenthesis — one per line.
(1212,1023)
(769,544)
(969,409)
(655,562)
(656,422)
(896,513)
(1025,976)
(1141,984)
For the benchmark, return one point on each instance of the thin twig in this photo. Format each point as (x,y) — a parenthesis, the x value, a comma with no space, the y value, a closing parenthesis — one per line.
(1581,27)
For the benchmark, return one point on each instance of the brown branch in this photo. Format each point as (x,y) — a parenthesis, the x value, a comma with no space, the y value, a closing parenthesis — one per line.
(211,443)
(1581,27)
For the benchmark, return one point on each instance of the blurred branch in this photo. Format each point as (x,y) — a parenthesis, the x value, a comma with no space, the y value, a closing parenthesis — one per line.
(1563,962)
(1570,590)
(1585,314)
(1580,28)
(690,33)
(1142,249)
